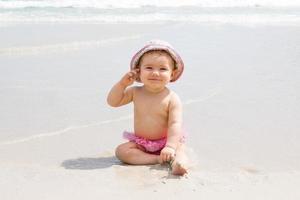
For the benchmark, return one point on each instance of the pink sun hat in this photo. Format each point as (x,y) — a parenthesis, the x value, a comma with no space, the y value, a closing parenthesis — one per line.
(159,45)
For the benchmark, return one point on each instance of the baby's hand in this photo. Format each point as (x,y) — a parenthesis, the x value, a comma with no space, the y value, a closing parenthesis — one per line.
(129,78)
(167,154)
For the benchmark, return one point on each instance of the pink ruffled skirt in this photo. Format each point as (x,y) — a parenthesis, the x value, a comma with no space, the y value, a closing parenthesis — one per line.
(151,146)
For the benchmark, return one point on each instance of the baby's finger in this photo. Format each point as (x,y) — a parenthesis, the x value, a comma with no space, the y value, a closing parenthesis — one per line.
(136,77)
(131,73)
(170,158)
(134,72)
(167,158)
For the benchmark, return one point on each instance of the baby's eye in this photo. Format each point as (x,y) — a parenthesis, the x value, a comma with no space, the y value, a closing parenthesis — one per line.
(163,69)
(148,68)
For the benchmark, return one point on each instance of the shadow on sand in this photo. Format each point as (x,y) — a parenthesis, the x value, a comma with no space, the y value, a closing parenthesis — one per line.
(91,163)
(106,162)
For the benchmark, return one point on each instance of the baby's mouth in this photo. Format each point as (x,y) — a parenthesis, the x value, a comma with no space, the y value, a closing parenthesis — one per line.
(154,79)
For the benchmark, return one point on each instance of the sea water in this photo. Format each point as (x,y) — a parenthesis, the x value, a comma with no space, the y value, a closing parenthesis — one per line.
(133,11)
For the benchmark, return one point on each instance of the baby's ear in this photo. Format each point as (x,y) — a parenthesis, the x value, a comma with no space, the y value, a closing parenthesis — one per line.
(137,78)
(173,73)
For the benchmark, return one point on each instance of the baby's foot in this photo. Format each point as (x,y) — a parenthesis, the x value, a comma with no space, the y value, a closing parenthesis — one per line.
(178,168)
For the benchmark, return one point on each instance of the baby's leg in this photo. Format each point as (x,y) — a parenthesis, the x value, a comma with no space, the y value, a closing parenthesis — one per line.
(180,163)
(131,153)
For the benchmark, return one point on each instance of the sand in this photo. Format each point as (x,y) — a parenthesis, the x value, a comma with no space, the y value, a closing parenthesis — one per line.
(240,92)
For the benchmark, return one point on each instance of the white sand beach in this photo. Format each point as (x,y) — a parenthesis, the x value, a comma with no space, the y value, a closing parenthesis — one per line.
(240,91)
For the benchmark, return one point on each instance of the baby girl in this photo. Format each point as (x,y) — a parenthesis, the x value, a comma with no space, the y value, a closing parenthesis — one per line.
(158,133)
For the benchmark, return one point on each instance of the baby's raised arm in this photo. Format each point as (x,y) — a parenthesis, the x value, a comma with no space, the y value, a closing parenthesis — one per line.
(119,94)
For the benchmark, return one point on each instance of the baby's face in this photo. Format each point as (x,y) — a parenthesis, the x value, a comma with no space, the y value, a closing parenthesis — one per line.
(156,69)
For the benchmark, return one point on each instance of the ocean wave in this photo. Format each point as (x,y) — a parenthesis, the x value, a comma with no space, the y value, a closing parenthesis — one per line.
(245,15)
(112,4)
(219,18)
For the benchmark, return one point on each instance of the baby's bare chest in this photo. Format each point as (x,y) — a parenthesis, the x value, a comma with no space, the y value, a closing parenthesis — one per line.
(156,106)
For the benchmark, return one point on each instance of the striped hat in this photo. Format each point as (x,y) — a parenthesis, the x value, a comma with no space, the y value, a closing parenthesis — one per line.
(162,46)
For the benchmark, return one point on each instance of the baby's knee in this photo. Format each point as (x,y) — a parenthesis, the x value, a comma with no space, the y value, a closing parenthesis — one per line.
(121,151)
(118,151)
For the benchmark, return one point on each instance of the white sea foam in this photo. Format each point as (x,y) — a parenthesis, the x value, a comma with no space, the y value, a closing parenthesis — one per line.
(111,4)
(132,11)
(219,18)
(62,47)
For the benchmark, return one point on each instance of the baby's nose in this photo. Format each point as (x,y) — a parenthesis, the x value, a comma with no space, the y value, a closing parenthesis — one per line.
(155,72)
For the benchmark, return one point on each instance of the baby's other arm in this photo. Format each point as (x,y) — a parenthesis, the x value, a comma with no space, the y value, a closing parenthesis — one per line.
(174,129)
(174,122)
(119,94)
